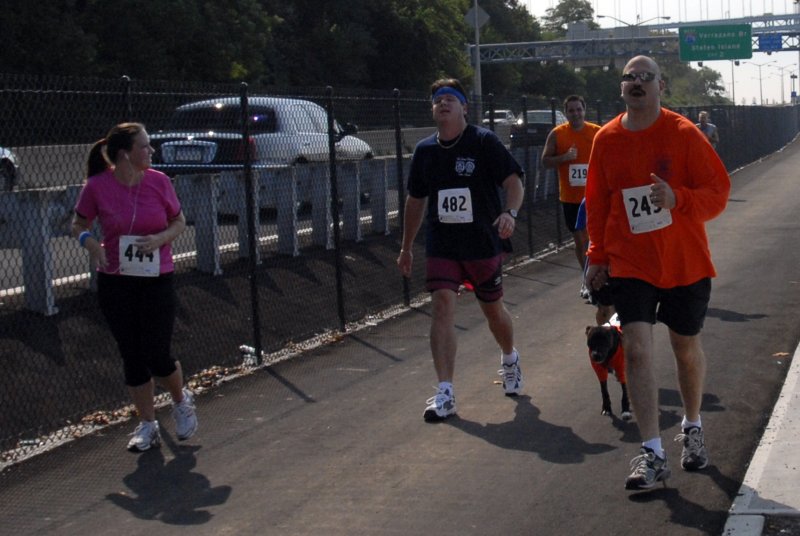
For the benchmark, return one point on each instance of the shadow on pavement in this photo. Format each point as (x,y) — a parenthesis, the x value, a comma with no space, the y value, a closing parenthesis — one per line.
(169,491)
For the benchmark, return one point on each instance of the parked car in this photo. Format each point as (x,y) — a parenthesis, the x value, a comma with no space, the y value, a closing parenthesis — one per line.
(9,169)
(540,122)
(282,131)
(205,137)
(501,117)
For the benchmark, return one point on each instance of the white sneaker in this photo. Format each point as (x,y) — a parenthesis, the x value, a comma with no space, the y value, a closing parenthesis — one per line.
(584,292)
(145,435)
(184,415)
(512,378)
(440,406)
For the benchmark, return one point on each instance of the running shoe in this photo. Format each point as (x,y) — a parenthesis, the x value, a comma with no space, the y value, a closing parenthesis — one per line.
(647,469)
(145,435)
(440,406)
(512,378)
(694,455)
(185,417)
(584,292)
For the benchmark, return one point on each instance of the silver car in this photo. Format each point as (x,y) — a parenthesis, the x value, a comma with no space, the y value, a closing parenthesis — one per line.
(282,131)
(501,117)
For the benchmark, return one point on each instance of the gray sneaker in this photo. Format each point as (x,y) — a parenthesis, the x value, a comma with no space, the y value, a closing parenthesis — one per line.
(145,435)
(694,455)
(647,470)
(184,414)
(440,406)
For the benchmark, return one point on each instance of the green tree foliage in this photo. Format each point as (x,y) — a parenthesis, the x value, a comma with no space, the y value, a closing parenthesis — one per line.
(374,44)
(367,43)
(509,22)
(179,39)
(45,38)
(690,87)
(558,18)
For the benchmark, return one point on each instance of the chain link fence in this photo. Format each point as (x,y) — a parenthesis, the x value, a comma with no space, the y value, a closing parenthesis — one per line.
(285,247)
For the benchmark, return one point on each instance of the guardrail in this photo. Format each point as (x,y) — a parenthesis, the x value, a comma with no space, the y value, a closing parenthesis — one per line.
(29,219)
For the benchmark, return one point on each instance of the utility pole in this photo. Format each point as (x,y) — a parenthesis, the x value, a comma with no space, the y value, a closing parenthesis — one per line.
(478,89)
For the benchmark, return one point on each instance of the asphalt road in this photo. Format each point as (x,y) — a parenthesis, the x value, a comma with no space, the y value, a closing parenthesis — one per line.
(333,442)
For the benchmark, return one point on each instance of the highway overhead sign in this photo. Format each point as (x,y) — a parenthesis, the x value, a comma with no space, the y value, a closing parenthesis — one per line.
(770,42)
(717,42)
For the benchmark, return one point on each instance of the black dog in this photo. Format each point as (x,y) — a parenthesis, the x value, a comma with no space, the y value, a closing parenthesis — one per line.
(606,355)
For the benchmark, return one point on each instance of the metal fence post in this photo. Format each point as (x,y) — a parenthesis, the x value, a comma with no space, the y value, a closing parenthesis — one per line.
(252,242)
(401,193)
(529,192)
(490,106)
(337,243)
(126,98)
(557,205)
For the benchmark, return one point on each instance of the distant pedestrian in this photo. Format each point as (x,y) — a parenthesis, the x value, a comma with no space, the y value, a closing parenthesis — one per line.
(453,186)
(567,148)
(709,129)
(139,216)
(653,183)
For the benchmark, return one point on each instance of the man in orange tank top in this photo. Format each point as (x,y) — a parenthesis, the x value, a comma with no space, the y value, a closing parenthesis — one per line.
(567,148)
(653,183)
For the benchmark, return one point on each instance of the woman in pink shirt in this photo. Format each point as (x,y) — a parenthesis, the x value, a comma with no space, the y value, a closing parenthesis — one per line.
(139,216)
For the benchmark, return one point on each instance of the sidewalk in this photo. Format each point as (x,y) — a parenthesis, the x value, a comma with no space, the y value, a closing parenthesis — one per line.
(768,502)
(333,442)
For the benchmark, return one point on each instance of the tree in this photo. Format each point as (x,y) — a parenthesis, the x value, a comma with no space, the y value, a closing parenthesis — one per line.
(180,39)
(45,38)
(368,43)
(558,18)
(509,22)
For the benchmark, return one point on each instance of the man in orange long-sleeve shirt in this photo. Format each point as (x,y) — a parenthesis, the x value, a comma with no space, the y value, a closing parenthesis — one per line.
(653,182)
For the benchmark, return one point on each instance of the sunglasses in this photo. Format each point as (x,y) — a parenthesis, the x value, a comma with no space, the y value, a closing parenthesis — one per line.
(643,76)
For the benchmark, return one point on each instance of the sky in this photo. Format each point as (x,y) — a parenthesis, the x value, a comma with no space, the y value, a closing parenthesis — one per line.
(747,84)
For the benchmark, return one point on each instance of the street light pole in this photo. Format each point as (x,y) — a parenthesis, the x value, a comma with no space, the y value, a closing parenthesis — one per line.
(638,21)
(760,84)
(478,88)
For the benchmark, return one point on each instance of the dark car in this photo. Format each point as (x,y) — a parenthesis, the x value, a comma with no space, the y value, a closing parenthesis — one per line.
(540,122)
(9,169)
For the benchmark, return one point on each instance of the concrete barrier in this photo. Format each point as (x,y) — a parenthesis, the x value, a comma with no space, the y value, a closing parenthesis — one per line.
(28,220)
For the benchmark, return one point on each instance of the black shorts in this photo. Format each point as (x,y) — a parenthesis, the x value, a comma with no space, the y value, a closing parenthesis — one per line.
(602,296)
(682,309)
(570,215)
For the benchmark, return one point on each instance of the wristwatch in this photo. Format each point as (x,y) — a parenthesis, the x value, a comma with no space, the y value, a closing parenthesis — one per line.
(512,212)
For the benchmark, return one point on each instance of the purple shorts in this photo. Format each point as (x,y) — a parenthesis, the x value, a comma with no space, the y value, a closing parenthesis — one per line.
(485,276)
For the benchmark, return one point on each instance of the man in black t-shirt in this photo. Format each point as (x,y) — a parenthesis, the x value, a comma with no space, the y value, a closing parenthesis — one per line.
(454,187)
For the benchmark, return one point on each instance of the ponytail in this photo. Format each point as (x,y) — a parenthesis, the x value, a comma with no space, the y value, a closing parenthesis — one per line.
(103,153)
(97,162)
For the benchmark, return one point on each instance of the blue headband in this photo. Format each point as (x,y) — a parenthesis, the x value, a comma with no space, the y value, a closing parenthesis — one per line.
(447,90)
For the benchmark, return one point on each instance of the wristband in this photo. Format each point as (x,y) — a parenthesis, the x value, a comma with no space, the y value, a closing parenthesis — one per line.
(83,236)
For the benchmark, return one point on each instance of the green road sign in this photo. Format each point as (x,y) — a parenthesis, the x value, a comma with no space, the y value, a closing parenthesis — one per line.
(723,42)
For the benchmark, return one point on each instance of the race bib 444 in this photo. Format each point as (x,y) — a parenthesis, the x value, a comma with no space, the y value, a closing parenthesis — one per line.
(133,262)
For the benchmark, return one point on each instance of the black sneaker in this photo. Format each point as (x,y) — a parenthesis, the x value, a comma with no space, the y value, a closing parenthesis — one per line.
(694,455)
(647,470)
